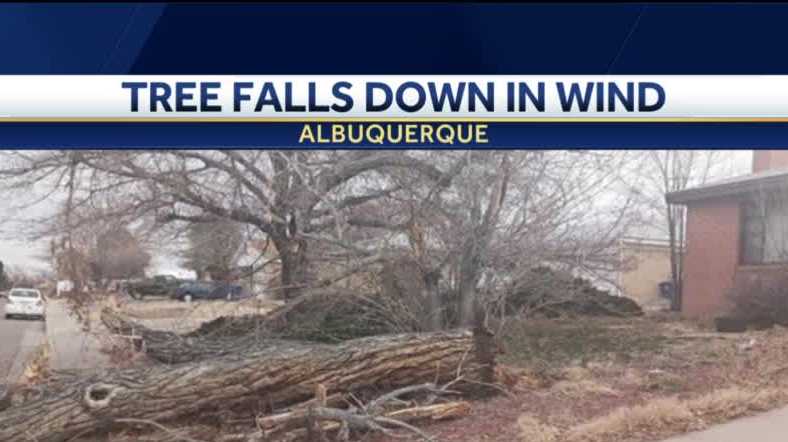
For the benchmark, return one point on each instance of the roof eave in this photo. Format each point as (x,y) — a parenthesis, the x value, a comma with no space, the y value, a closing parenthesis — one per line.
(728,189)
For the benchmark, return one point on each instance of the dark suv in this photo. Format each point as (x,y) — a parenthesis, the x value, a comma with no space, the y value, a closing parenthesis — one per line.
(159,285)
(207,290)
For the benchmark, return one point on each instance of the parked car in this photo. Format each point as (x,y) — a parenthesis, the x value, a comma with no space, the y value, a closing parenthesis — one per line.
(190,291)
(159,285)
(25,302)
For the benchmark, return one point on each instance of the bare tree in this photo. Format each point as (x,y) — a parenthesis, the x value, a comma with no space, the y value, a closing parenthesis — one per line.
(303,201)
(507,212)
(472,221)
(213,248)
(5,281)
(666,171)
(117,254)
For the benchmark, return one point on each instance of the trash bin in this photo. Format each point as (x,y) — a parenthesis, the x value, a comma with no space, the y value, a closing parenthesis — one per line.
(667,290)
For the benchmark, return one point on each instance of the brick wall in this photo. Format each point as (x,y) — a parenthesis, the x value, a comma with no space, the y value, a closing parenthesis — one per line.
(769,159)
(712,256)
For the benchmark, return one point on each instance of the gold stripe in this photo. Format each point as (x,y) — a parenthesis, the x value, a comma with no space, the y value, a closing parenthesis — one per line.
(394,120)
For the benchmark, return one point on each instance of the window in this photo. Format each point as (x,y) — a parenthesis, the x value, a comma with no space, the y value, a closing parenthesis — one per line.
(22,293)
(765,229)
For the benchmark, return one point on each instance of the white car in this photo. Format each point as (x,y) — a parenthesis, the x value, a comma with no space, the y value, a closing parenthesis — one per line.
(25,302)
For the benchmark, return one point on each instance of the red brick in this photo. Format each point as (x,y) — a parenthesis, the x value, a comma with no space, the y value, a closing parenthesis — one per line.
(712,256)
(769,159)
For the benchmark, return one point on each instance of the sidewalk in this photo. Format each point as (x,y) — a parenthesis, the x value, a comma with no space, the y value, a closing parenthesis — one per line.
(71,347)
(32,338)
(766,427)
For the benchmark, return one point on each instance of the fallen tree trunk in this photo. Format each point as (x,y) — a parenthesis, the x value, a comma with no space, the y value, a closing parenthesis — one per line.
(252,381)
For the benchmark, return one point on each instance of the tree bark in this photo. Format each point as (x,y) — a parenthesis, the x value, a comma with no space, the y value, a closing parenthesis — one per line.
(294,276)
(213,388)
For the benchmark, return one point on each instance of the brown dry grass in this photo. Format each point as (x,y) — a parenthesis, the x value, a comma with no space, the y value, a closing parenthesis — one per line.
(578,382)
(665,416)
(626,380)
(735,401)
(657,415)
(571,389)
(37,367)
(533,430)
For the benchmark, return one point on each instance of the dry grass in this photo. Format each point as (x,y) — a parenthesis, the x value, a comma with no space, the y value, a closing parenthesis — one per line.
(627,380)
(657,415)
(736,401)
(37,367)
(574,389)
(533,430)
(579,382)
(665,416)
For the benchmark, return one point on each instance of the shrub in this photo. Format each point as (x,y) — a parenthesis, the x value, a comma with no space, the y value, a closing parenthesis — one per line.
(760,299)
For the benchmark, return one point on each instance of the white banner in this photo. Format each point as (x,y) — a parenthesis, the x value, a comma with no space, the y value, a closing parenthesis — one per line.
(377,98)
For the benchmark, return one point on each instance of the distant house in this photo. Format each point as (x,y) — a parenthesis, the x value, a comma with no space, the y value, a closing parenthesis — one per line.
(735,228)
(645,264)
(63,287)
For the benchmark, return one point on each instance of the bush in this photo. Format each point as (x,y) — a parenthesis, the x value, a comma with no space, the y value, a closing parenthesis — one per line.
(760,299)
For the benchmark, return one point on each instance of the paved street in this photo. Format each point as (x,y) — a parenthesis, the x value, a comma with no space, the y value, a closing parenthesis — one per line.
(766,427)
(18,338)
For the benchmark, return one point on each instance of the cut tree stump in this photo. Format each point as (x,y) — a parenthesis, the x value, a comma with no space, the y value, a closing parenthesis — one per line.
(248,382)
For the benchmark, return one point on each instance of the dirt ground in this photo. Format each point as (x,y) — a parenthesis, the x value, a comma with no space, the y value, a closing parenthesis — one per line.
(623,380)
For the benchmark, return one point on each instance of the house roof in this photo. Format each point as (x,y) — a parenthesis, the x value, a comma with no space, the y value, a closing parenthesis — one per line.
(732,186)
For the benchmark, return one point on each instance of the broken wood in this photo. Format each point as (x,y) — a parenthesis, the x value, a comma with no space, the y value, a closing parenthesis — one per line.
(252,381)
(277,422)
(314,421)
(292,426)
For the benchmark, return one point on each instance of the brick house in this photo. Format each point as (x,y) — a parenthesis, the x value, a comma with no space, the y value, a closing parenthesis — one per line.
(735,228)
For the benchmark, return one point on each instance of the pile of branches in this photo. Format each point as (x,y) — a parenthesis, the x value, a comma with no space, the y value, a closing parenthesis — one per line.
(225,378)
(319,419)
(553,293)
(326,417)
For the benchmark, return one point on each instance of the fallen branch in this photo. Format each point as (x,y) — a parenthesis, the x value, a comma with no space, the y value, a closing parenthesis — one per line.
(375,416)
(292,426)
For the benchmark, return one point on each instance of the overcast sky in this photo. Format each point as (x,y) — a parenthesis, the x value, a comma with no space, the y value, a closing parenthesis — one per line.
(19,251)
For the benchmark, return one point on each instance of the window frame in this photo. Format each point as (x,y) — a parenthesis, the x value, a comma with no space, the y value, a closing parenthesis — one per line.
(750,198)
